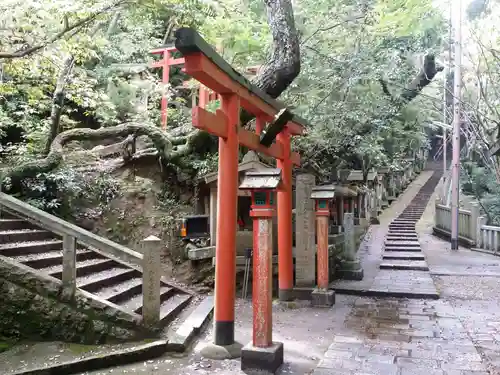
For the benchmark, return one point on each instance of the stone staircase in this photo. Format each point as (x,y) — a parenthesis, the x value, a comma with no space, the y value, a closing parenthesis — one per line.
(403,261)
(105,271)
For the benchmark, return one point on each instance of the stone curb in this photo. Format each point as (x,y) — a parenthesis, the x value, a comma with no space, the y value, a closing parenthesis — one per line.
(138,354)
(380,293)
(404,267)
(192,326)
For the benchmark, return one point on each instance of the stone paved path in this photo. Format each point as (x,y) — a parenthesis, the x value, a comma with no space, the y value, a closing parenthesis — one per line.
(459,334)
(396,267)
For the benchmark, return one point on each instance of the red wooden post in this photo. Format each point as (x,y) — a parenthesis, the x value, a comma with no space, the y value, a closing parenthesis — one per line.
(227,196)
(165,63)
(262,184)
(285,255)
(322,240)
(262,271)
(322,296)
(259,125)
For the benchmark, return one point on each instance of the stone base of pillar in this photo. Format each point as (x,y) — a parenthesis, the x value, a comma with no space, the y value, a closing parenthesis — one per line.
(262,360)
(302,293)
(385,204)
(221,352)
(322,298)
(363,222)
(351,270)
(374,220)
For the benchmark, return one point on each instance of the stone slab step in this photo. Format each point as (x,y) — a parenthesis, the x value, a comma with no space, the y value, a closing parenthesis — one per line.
(402,234)
(135,303)
(15,248)
(403,255)
(393,232)
(10,224)
(192,325)
(405,230)
(413,265)
(413,249)
(53,258)
(82,268)
(97,280)
(19,235)
(403,243)
(398,238)
(121,291)
(170,308)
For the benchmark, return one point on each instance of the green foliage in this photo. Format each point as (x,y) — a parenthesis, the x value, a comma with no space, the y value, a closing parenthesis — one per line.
(480,182)
(65,191)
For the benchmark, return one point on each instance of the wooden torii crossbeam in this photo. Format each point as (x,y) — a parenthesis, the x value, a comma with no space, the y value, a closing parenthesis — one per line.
(203,63)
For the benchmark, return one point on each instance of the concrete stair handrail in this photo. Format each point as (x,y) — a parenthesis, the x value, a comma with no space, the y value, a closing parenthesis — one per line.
(63,228)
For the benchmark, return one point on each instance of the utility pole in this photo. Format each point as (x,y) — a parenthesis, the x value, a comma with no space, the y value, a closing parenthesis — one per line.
(445,101)
(457,98)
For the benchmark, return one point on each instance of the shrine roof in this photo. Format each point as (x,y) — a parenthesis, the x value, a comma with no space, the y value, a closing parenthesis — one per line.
(384,170)
(358,176)
(267,178)
(188,41)
(244,166)
(332,191)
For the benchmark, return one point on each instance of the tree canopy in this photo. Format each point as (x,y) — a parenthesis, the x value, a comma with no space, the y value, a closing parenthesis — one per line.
(361,71)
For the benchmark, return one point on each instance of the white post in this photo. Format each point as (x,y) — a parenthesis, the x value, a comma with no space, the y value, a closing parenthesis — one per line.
(456,127)
(69,266)
(474,214)
(151,266)
(213,216)
(479,223)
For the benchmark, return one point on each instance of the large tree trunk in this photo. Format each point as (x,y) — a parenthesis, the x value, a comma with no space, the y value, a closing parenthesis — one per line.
(424,77)
(284,63)
(58,100)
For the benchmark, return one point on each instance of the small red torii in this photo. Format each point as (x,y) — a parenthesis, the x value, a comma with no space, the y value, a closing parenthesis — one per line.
(166,61)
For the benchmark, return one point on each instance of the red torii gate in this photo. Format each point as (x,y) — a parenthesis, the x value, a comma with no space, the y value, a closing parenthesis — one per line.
(205,95)
(204,64)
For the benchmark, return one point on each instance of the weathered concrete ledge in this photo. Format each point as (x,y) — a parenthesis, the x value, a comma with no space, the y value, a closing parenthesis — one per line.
(193,325)
(83,318)
(445,235)
(137,354)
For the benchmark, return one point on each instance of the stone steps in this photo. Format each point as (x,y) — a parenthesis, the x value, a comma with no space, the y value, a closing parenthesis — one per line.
(401,264)
(402,243)
(403,255)
(101,277)
(403,249)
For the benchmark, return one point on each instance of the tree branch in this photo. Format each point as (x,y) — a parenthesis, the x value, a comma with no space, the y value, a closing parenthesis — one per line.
(66,29)
(385,88)
(284,63)
(58,100)
(424,77)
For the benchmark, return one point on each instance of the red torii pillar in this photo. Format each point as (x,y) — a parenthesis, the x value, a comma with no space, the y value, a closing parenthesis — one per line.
(204,64)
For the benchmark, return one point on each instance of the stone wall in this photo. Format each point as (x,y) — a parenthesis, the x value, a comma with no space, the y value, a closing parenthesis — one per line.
(33,308)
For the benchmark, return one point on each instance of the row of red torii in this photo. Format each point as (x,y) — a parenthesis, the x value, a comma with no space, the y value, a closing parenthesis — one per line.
(219,80)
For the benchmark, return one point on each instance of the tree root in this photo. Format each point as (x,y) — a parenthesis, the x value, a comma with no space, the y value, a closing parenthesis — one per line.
(169,149)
